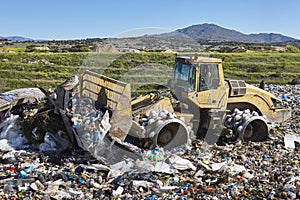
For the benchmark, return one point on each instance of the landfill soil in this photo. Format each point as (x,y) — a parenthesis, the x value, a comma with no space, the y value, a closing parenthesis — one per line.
(254,170)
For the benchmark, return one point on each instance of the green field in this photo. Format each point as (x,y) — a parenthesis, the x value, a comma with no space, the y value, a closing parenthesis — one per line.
(144,71)
(278,68)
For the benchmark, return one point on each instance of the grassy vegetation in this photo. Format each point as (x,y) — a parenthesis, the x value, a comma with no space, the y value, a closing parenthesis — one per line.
(45,70)
(278,68)
(144,71)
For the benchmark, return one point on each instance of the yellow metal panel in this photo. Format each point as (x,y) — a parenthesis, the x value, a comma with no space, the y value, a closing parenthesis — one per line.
(114,94)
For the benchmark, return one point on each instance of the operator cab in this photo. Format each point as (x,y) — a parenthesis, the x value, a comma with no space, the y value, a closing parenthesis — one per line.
(194,74)
(198,79)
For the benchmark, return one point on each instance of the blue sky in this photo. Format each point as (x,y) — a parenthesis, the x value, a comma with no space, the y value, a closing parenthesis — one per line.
(78,19)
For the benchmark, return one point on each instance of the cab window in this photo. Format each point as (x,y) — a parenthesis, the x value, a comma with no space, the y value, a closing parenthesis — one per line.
(182,71)
(185,75)
(209,77)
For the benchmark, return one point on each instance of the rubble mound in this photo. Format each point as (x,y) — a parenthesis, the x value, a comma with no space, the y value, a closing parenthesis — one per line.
(105,48)
(251,170)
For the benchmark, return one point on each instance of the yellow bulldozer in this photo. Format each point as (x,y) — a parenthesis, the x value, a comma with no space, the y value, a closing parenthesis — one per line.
(200,103)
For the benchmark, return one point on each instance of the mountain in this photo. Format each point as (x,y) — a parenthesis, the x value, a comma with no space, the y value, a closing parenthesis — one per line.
(16,38)
(218,33)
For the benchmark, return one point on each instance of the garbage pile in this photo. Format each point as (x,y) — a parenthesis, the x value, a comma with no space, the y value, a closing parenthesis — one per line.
(253,170)
(11,135)
(91,126)
(291,97)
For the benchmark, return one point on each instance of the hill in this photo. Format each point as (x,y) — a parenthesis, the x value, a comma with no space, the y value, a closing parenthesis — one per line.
(16,38)
(217,33)
(195,38)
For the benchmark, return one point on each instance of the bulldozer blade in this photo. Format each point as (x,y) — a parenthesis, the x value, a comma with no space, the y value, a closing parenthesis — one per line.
(112,95)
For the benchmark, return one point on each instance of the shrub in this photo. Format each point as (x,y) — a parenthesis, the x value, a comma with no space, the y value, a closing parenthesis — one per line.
(294,81)
(292,49)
